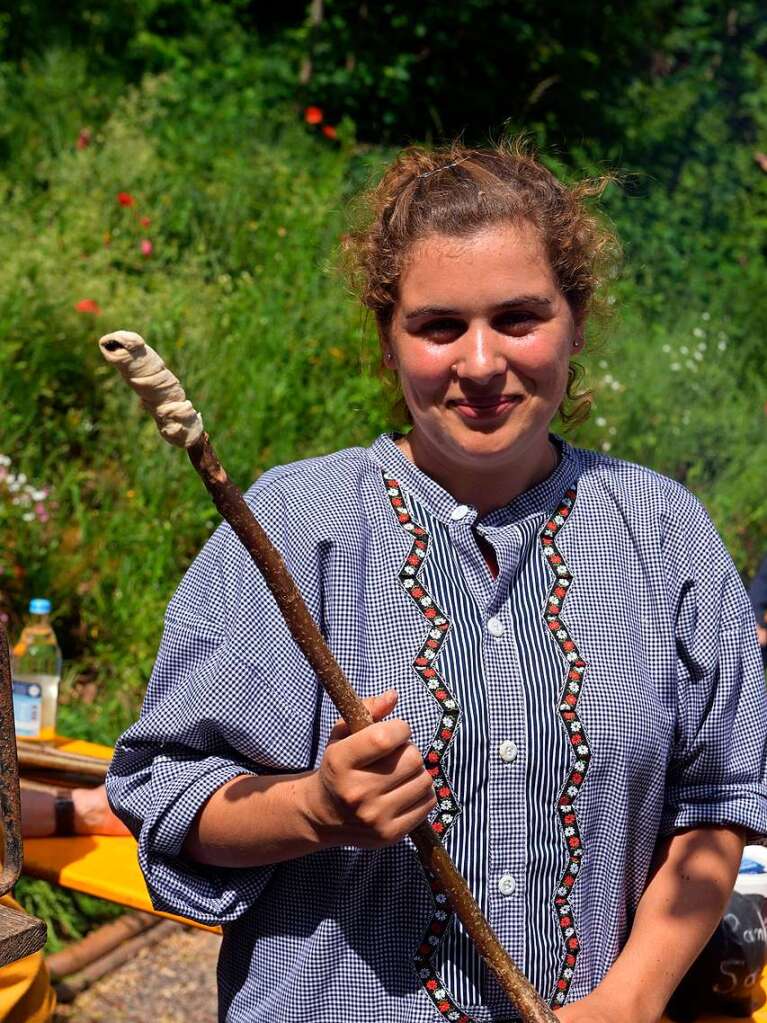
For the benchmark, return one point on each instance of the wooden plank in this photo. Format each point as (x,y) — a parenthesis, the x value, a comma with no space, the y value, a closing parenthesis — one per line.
(20,935)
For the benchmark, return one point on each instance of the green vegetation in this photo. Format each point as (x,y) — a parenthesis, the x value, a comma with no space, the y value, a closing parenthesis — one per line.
(156,173)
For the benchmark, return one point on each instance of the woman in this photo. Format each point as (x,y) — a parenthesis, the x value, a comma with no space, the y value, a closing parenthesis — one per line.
(579,704)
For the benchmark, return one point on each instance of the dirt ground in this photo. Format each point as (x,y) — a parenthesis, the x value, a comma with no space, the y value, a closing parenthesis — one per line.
(173,981)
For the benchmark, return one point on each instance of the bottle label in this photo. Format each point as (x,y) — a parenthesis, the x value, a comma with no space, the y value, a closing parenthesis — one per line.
(27,708)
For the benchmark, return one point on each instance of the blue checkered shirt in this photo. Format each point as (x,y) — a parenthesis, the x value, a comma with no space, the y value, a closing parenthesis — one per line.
(604,690)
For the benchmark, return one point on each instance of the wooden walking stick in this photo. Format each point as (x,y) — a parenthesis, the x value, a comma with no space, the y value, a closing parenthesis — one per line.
(179,423)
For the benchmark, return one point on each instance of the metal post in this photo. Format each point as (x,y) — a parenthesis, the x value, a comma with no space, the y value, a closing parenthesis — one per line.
(20,934)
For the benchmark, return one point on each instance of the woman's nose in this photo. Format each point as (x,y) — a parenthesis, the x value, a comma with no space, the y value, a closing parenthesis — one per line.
(480,355)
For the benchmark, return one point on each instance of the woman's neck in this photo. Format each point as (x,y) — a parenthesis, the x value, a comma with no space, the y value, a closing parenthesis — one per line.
(485,489)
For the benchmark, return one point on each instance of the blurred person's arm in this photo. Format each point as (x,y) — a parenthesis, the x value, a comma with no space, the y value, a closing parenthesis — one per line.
(90,813)
(758,595)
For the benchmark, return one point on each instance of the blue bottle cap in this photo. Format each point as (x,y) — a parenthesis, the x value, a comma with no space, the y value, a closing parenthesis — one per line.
(749,866)
(39,606)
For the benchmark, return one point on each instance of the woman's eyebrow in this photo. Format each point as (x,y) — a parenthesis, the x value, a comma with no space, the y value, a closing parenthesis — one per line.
(539,301)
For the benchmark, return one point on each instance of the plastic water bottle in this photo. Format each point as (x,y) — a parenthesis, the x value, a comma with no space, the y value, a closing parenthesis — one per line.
(36,670)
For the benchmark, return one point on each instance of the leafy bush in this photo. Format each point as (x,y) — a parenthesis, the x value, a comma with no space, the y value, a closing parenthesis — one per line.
(196,207)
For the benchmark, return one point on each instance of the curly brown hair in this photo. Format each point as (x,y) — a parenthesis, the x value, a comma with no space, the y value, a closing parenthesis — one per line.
(456,190)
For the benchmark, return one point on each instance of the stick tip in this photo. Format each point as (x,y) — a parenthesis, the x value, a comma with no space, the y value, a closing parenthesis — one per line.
(121,345)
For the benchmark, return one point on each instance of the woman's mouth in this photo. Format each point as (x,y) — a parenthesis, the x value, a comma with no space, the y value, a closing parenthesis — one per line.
(487,407)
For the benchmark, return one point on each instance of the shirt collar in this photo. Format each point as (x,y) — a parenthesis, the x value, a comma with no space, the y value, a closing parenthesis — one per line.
(537,501)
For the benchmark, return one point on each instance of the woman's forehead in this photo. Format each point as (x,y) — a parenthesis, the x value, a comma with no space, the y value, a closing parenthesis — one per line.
(499,262)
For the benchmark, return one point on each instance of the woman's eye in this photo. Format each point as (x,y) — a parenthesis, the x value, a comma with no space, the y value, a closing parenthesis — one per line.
(442,328)
(517,322)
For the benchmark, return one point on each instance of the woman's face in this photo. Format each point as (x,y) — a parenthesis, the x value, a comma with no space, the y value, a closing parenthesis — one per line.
(481,338)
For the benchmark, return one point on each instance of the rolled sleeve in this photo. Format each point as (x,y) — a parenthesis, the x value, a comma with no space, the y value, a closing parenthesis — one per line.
(717,770)
(207,894)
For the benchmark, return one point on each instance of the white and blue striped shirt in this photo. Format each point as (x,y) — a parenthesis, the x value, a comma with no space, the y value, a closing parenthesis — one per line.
(603,690)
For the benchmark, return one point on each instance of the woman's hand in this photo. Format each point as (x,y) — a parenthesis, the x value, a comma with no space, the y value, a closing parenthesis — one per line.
(371,788)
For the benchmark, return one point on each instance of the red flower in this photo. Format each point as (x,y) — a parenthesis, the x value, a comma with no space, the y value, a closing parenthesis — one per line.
(313,115)
(125,199)
(145,221)
(329,131)
(83,139)
(88,305)
(146,247)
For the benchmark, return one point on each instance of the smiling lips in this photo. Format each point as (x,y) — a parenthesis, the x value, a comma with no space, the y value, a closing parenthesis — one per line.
(485,407)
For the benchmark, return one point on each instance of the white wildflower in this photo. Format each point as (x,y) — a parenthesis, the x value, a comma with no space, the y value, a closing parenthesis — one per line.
(600,421)
(699,332)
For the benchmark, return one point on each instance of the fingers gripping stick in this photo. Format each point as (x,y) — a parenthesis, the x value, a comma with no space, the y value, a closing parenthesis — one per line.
(163,396)
(160,392)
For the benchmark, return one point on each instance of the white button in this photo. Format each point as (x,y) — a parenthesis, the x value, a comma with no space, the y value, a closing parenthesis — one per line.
(495,627)
(459,512)
(507,885)
(507,751)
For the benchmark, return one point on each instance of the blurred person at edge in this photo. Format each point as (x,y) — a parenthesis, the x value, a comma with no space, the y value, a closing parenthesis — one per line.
(555,645)
(26,995)
(758,594)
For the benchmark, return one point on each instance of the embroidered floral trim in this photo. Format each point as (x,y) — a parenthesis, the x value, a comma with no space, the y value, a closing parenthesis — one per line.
(568,713)
(447,805)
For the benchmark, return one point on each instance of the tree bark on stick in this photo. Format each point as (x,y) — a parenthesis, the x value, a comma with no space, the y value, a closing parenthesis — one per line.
(180,425)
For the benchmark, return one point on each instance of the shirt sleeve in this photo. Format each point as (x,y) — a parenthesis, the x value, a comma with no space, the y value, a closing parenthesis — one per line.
(230,694)
(718,765)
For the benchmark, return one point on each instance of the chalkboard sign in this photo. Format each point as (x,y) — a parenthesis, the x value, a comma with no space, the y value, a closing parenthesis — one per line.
(725,976)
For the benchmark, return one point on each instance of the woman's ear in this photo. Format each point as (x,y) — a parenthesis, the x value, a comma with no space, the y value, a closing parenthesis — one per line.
(579,339)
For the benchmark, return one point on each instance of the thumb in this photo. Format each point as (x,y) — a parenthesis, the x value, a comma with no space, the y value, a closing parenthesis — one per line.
(379,706)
